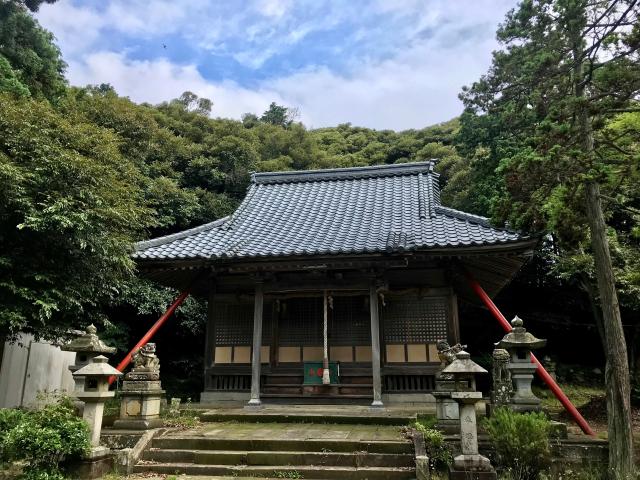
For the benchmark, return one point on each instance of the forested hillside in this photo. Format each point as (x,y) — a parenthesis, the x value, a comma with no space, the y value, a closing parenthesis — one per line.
(85,173)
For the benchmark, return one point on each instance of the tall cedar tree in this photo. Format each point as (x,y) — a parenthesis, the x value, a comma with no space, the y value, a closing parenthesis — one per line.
(566,67)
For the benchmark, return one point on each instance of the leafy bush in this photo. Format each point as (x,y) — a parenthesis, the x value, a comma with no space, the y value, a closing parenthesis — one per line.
(44,438)
(437,449)
(9,418)
(521,441)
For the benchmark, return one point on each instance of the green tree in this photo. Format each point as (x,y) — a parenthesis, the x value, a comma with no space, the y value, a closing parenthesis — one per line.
(192,103)
(566,67)
(34,5)
(9,81)
(279,115)
(30,51)
(70,207)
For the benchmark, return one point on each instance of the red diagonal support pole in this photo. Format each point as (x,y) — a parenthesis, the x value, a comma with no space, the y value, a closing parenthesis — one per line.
(544,375)
(143,341)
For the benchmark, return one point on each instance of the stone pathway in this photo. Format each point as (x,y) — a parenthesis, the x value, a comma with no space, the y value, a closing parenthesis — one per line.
(294,431)
(336,414)
(312,410)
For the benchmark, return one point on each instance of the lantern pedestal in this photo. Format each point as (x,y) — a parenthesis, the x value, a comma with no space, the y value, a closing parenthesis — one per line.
(523,399)
(140,405)
(470,464)
(447,411)
(141,392)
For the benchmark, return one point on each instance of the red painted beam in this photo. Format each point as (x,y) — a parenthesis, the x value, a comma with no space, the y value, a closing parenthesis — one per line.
(144,340)
(542,373)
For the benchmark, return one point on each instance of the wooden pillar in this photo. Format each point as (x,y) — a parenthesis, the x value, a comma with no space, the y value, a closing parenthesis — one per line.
(210,335)
(257,343)
(375,347)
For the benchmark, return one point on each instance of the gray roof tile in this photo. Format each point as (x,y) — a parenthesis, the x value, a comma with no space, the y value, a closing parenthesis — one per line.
(390,208)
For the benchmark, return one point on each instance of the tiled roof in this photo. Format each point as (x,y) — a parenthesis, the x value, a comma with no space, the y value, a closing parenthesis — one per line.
(381,209)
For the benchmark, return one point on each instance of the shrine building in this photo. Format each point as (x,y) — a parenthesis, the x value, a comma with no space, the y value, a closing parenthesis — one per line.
(356,271)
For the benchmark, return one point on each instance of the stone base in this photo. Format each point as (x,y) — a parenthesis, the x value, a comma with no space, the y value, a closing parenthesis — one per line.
(471,475)
(522,406)
(472,462)
(558,430)
(140,405)
(211,396)
(422,468)
(448,427)
(408,398)
(137,423)
(447,413)
(96,464)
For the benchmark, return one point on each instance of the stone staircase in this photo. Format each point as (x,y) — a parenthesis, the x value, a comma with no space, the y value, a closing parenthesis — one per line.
(206,454)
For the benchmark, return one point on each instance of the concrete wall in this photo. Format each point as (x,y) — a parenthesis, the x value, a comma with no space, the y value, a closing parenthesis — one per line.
(29,368)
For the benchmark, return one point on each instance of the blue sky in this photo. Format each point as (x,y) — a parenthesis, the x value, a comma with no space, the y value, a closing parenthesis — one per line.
(394,64)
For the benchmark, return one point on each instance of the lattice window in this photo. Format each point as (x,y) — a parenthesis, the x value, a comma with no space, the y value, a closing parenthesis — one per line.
(415,319)
(301,322)
(233,323)
(350,321)
(409,383)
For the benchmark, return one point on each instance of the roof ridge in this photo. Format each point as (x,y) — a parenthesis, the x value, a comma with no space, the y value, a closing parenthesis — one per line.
(154,242)
(295,176)
(470,217)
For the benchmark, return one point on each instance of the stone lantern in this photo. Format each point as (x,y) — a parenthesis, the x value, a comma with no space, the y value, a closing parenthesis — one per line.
(87,347)
(519,343)
(469,464)
(95,393)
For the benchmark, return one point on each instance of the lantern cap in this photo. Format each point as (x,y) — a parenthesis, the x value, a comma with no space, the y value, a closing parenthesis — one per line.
(463,365)
(88,342)
(97,368)
(520,338)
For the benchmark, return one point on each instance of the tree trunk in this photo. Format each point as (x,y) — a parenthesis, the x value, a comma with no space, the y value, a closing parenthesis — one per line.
(617,380)
(617,368)
(596,311)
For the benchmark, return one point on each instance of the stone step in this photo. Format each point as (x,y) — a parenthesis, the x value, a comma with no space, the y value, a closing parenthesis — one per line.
(288,471)
(193,442)
(237,457)
(372,418)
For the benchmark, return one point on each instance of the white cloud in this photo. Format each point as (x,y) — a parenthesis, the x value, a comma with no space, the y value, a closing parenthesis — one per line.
(273,8)
(438,47)
(159,80)
(75,28)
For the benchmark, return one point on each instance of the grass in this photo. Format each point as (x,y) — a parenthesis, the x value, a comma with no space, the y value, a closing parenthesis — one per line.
(578,394)
(287,474)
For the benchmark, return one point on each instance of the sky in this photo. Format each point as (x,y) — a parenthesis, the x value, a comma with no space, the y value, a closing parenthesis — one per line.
(385,64)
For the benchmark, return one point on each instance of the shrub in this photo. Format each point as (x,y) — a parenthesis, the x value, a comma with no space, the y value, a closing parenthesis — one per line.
(44,438)
(437,449)
(521,441)
(9,418)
